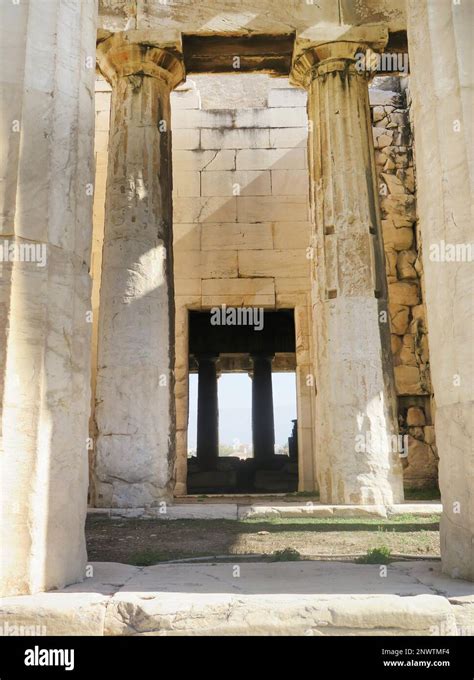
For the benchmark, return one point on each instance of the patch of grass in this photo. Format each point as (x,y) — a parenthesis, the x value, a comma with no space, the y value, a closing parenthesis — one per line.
(407,518)
(424,541)
(431,494)
(150,541)
(286,555)
(146,558)
(380,555)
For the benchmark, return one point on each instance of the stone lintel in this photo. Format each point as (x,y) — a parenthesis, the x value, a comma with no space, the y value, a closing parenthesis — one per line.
(148,53)
(335,44)
(270,53)
(242,363)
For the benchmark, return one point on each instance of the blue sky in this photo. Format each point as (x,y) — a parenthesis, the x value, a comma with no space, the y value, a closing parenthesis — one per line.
(235,407)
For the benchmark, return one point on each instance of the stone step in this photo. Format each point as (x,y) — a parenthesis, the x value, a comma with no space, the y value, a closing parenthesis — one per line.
(260,510)
(292,598)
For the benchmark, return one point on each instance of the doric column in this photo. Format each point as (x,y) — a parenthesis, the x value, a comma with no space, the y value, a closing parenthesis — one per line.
(355,402)
(208,413)
(135,403)
(263,427)
(46,181)
(442,82)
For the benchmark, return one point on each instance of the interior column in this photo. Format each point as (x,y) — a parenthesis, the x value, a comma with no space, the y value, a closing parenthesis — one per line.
(135,402)
(355,402)
(263,427)
(208,413)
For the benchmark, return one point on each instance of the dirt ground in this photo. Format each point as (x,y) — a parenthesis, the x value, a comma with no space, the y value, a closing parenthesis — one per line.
(145,542)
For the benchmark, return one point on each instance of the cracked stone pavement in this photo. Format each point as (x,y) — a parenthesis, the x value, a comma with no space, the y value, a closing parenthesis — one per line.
(232,598)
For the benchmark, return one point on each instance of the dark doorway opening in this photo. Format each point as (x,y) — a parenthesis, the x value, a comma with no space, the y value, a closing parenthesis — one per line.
(251,350)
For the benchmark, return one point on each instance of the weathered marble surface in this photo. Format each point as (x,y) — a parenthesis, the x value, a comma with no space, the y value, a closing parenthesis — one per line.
(134,395)
(304,598)
(46,193)
(248,16)
(442,86)
(355,394)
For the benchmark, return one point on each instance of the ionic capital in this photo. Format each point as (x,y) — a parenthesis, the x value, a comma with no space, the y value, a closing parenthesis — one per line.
(141,53)
(315,55)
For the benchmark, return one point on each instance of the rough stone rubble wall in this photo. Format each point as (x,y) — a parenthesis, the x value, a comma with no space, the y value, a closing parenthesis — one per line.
(389,98)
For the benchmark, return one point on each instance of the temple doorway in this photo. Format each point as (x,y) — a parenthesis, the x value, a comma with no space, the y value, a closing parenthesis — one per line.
(242,402)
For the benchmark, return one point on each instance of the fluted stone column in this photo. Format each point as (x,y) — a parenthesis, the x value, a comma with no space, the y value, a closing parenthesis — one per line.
(355,401)
(47,52)
(442,82)
(263,426)
(135,402)
(208,413)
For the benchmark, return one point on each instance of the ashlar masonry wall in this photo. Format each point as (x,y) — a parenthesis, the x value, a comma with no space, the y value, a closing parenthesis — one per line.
(241,229)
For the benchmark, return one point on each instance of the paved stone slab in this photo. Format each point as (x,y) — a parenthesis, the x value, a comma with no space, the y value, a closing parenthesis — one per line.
(429,574)
(78,609)
(312,509)
(296,598)
(418,509)
(55,613)
(104,578)
(259,510)
(177,511)
(284,511)
(201,511)
(460,593)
